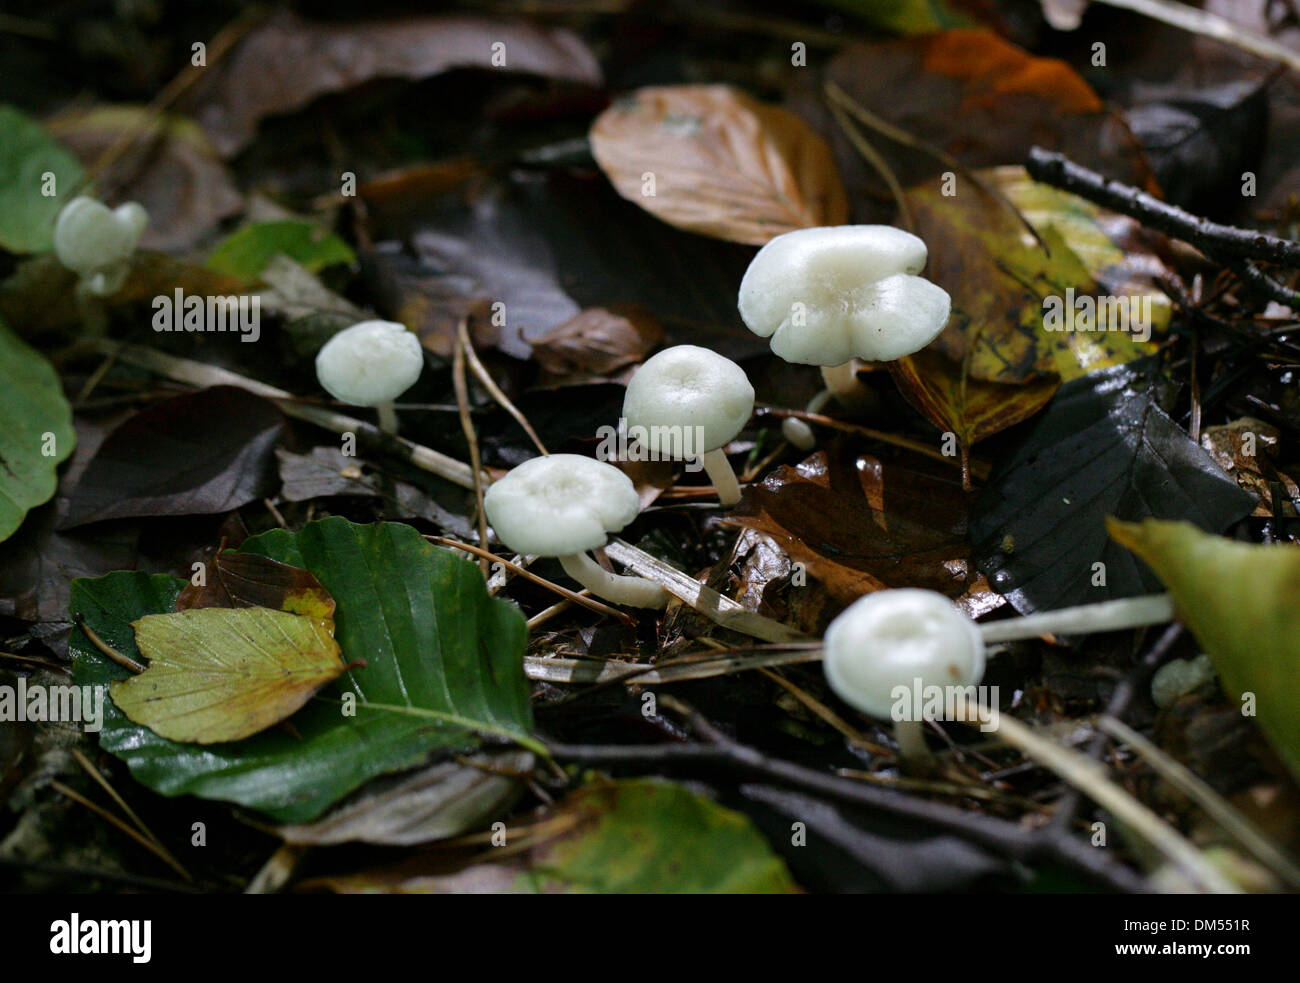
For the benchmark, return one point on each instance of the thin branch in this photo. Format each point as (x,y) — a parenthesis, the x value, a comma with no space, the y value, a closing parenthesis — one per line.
(471,437)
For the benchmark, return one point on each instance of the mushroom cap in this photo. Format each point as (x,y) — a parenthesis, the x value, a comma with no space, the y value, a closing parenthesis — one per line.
(560,504)
(827,295)
(91,238)
(688,386)
(370,363)
(893,637)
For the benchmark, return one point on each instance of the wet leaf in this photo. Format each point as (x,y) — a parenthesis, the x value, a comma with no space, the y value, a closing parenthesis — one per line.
(171,169)
(432,803)
(1104,447)
(595,344)
(247,580)
(27,154)
(286,62)
(195,454)
(973,95)
(247,252)
(1247,449)
(35,430)
(710,159)
(221,674)
(1239,600)
(433,640)
(861,524)
(635,836)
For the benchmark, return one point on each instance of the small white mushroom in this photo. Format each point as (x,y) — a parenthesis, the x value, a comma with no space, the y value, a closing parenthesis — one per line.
(371,364)
(886,645)
(562,505)
(96,242)
(825,296)
(689,401)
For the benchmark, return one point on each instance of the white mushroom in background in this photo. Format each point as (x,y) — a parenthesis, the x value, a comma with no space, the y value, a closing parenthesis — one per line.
(562,505)
(96,242)
(371,364)
(825,296)
(691,402)
(908,638)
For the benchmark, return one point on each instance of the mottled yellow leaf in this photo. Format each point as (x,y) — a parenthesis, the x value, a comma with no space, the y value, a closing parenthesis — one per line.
(221,674)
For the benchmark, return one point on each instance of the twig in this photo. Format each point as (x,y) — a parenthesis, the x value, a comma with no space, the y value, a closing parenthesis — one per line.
(872,156)
(485,377)
(605,673)
(1226,244)
(587,602)
(112,820)
(471,437)
(125,661)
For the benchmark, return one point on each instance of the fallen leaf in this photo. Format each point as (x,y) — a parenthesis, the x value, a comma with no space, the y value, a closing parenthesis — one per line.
(36,432)
(710,159)
(246,252)
(861,524)
(285,63)
(1247,449)
(172,170)
(247,580)
(975,96)
(595,344)
(222,674)
(1104,447)
(1239,599)
(634,836)
(27,154)
(436,646)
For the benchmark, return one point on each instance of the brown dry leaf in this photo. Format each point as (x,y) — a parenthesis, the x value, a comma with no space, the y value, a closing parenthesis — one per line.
(710,159)
(286,62)
(861,524)
(595,344)
(974,95)
(1246,449)
(172,170)
(248,580)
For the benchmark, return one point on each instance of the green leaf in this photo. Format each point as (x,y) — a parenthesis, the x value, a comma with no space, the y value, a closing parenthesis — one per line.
(221,674)
(27,154)
(438,649)
(636,836)
(1240,601)
(246,252)
(35,430)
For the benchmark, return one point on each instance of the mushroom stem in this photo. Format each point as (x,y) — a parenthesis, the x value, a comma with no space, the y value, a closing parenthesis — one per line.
(842,381)
(1127,612)
(797,431)
(718,468)
(633,591)
(387,417)
(910,735)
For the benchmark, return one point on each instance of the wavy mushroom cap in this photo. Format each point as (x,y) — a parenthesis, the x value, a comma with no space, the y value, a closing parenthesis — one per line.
(370,363)
(90,238)
(560,504)
(688,387)
(894,637)
(827,295)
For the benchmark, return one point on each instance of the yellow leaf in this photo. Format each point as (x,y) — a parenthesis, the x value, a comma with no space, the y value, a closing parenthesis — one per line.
(221,674)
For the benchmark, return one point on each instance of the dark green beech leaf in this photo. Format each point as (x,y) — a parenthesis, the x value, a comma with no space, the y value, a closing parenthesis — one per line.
(1103,447)
(443,657)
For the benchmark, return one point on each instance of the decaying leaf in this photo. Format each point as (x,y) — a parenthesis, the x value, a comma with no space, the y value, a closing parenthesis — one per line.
(595,344)
(1246,449)
(1239,599)
(710,159)
(221,674)
(286,62)
(247,580)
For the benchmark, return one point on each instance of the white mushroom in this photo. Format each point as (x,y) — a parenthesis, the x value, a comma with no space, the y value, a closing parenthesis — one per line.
(371,364)
(888,645)
(828,295)
(96,242)
(689,401)
(562,505)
